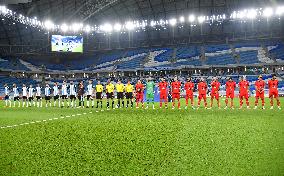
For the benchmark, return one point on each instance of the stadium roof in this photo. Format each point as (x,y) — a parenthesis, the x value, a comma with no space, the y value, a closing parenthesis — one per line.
(101,11)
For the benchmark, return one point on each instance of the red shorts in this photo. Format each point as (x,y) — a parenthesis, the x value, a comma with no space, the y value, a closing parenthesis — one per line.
(202,96)
(230,95)
(189,96)
(163,96)
(176,96)
(139,97)
(259,95)
(244,95)
(273,94)
(215,95)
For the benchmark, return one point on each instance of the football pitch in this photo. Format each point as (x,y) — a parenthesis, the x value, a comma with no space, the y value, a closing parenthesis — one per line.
(61,141)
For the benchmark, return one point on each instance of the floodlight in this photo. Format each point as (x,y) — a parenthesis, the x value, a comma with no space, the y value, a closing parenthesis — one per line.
(153,23)
(173,21)
(201,19)
(267,12)
(64,27)
(191,18)
(48,24)
(280,10)
(117,27)
(251,14)
(75,27)
(87,28)
(129,25)
(106,27)
(181,19)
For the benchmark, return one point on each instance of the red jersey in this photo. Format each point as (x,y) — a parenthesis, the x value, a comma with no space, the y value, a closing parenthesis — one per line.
(215,86)
(163,87)
(176,87)
(273,85)
(202,88)
(244,86)
(230,86)
(139,88)
(259,85)
(189,87)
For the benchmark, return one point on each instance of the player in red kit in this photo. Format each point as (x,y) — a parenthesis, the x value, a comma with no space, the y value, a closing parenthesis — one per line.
(139,88)
(215,87)
(163,86)
(273,91)
(244,91)
(202,90)
(189,88)
(230,92)
(175,92)
(259,91)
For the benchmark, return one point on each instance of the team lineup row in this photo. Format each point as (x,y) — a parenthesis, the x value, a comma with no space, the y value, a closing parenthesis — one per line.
(173,90)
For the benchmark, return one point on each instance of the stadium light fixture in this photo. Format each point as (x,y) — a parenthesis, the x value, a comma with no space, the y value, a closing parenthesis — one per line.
(64,27)
(75,27)
(191,18)
(251,14)
(280,10)
(201,19)
(106,27)
(48,24)
(268,12)
(117,27)
(129,25)
(173,21)
(153,23)
(181,19)
(88,28)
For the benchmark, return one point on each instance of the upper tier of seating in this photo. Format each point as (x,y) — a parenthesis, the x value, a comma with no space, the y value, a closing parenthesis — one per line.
(12,64)
(248,53)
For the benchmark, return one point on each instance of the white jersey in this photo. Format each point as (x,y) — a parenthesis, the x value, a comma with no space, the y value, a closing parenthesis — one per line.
(55,91)
(25,91)
(15,91)
(7,90)
(64,90)
(72,89)
(47,91)
(38,91)
(31,92)
(90,89)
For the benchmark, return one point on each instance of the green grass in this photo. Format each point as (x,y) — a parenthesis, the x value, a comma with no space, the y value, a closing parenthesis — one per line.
(142,142)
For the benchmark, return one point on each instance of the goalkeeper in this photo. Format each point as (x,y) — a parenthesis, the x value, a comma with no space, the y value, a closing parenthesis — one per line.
(150,92)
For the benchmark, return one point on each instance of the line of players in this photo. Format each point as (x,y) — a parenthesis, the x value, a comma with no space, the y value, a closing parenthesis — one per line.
(130,92)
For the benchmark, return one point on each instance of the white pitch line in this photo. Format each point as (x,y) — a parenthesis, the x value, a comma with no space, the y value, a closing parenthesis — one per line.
(27,123)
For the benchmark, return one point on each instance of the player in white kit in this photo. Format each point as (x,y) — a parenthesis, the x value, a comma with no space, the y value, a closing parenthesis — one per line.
(31,96)
(16,95)
(90,91)
(47,95)
(55,95)
(7,96)
(72,93)
(64,94)
(24,96)
(38,96)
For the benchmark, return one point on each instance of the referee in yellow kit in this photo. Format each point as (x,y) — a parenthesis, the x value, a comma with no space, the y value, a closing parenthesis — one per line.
(109,93)
(99,92)
(120,91)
